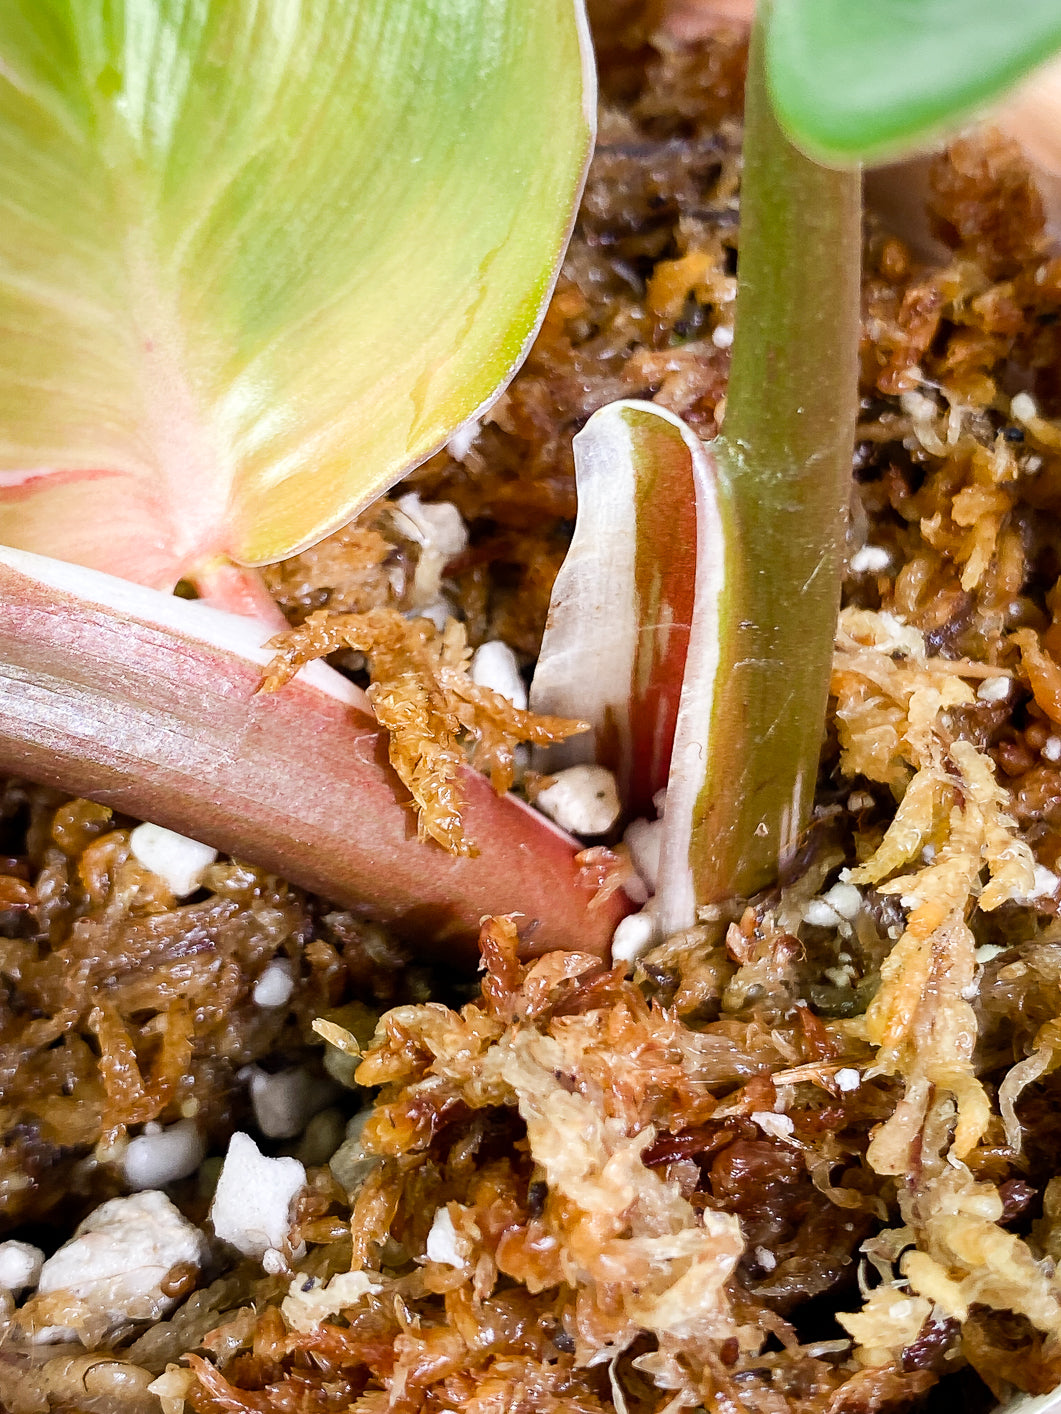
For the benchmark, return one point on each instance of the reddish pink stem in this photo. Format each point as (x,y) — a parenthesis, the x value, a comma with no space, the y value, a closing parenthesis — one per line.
(225,585)
(147,703)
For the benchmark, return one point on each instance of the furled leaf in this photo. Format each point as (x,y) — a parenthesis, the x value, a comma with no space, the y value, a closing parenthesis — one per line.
(857,79)
(259,257)
(615,644)
(149,703)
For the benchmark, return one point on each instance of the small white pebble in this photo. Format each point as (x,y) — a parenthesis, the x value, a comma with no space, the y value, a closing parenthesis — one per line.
(582,800)
(635,934)
(859,800)
(153,1160)
(766,1259)
(1052,748)
(121,1254)
(435,524)
(1032,464)
(1044,883)
(722,336)
(255,1197)
(987,951)
(460,444)
(777,1126)
(275,986)
(897,638)
(178,861)
(845,899)
(848,1079)
(643,839)
(495,665)
(993,689)
(20,1266)
(871,559)
(820,914)
(439,530)
(840,976)
(1023,408)
(917,405)
(443,1242)
(274,1262)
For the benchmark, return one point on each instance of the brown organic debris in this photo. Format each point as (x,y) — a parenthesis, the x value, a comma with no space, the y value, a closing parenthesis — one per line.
(424,699)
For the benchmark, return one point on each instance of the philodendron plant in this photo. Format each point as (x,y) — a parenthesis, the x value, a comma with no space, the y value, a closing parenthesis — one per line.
(260,257)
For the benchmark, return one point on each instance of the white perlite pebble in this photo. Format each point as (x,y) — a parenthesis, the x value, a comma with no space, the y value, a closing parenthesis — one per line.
(643,839)
(177,860)
(121,1254)
(437,525)
(765,1258)
(993,690)
(1052,748)
(820,914)
(635,934)
(275,986)
(871,559)
(274,1262)
(460,444)
(897,638)
(255,1198)
(848,1079)
(1023,408)
(582,800)
(440,531)
(495,665)
(444,1243)
(722,336)
(153,1160)
(917,405)
(1044,883)
(845,899)
(20,1266)
(777,1126)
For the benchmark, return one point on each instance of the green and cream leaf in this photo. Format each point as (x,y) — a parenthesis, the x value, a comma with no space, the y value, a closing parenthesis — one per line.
(260,257)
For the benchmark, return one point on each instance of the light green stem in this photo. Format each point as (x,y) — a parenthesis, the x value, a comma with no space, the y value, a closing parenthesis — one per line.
(785,462)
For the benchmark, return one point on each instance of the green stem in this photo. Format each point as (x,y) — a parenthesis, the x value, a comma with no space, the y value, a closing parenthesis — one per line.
(785,463)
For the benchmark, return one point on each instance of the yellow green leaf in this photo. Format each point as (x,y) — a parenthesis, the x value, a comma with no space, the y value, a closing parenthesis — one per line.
(260,257)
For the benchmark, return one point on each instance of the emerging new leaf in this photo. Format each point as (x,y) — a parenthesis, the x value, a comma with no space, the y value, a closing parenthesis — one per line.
(859,79)
(647,542)
(259,257)
(149,703)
